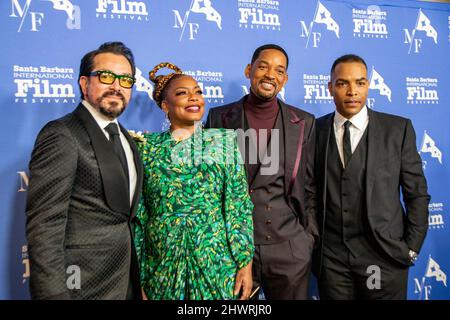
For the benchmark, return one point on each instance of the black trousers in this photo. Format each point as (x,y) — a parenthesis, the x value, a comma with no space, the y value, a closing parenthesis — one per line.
(282,270)
(371,275)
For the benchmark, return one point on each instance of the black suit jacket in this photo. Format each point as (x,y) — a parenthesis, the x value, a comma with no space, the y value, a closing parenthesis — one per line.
(79,213)
(393,164)
(299,128)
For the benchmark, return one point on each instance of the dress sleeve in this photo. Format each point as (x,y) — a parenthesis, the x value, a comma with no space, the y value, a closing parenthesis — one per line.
(238,206)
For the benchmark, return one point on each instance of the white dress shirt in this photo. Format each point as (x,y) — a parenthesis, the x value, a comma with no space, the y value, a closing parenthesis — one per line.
(358,125)
(103,121)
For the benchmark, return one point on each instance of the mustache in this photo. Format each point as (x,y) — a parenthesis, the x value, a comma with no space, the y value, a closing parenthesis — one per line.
(113,93)
(269,81)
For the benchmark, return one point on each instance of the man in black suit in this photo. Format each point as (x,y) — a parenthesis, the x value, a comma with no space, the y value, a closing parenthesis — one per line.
(279,159)
(86,177)
(363,159)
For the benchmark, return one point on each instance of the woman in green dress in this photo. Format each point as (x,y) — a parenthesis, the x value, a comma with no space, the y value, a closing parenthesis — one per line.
(194,230)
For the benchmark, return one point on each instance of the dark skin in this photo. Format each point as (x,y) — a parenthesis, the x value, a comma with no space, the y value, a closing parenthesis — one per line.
(349,87)
(267,74)
(185,105)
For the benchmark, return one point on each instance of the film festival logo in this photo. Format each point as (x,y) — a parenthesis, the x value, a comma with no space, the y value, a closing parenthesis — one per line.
(422,90)
(43,84)
(26,264)
(32,19)
(122,10)
(321,16)
(429,146)
(424,286)
(423,24)
(281,94)
(203,7)
(377,83)
(24,181)
(316,89)
(210,84)
(143,85)
(370,23)
(259,14)
(436,219)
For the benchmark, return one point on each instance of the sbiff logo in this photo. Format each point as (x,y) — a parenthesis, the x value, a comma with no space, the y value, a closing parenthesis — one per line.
(44,84)
(197,6)
(36,18)
(369,23)
(433,271)
(422,90)
(26,264)
(436,219)
(429,146)
(259,14)
(377,83)
(321,16)
(316,88)
(210,84)
(122,9)
(142,84)
(422,24)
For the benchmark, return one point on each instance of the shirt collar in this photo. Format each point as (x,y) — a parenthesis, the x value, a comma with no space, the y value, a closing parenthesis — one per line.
(101,120)
(357,120)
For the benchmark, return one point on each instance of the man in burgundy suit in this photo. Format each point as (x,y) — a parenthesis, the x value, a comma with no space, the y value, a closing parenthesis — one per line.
(277,143)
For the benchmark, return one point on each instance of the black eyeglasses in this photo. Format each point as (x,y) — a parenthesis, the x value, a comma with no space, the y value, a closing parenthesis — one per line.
(108,77)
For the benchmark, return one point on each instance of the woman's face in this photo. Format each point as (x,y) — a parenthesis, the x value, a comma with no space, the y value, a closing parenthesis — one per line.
(183,102)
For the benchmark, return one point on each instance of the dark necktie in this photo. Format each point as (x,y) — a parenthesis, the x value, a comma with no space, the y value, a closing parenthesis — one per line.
(114,138)
(347,143)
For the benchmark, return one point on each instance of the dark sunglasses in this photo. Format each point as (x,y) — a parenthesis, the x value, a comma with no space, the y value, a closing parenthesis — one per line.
(108,77)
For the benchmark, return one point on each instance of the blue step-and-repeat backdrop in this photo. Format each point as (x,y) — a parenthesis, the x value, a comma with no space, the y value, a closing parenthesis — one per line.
(405,44)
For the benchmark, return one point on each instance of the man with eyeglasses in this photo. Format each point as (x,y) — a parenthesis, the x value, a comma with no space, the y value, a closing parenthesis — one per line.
(85,181)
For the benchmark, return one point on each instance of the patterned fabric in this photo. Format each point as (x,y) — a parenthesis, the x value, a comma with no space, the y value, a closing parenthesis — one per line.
(194,224)
(70,218)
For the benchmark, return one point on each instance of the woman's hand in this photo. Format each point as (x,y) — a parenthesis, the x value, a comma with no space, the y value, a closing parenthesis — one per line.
(244,282)
(144,296)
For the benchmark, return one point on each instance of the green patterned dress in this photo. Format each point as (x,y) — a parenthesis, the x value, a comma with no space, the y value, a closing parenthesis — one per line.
(194,225)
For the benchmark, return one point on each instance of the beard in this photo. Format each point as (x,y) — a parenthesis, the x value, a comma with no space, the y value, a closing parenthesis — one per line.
(266,95)
(112,109)
(263,95)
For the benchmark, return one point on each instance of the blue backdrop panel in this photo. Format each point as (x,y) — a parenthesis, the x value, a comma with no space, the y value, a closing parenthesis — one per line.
(405,43)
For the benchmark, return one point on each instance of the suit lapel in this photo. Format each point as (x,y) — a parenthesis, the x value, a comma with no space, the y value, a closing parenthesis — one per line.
(139,171)
(113,177)
(323,141)
(294,129)
(373,152)
(234,118)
